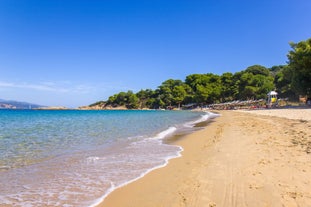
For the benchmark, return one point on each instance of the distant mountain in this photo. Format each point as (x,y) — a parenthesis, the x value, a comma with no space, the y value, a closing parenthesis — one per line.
(7,104)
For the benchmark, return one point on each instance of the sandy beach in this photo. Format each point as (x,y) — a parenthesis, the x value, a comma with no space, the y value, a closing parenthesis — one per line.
(249,158)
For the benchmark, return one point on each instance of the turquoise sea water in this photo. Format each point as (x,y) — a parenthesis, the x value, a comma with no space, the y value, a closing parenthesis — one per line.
(76,158)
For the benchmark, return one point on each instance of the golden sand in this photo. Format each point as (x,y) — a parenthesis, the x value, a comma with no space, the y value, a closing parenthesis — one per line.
(240,159)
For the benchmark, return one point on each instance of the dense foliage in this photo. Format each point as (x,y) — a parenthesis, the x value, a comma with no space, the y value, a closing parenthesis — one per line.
(252,83)
(300,63)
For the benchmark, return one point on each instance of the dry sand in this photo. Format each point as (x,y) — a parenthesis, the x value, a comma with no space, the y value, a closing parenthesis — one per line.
(241,159)
(295,113)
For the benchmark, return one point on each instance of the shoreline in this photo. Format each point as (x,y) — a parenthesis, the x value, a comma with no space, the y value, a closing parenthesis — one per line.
(170,139)
(239,159)
(175,140)
(133,149)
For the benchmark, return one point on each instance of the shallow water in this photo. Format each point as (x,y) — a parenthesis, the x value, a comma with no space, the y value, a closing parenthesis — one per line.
(76,158)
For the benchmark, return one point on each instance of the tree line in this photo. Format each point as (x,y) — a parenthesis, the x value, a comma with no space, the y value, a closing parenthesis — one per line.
(254,82)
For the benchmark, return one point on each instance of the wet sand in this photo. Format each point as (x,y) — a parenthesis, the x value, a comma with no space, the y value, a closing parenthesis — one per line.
(240,159)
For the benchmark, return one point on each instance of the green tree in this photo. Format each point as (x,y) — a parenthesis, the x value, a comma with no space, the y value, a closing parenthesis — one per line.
(258,70)
(254,82)
(274,70)
(300,61)
(127,99)
(189,94)
(206,87)
(197,83)
(166,91)
(179,94)
(112,99)
(229,87)
(202,93)
(133,101)
(215,88)
(151,103)
(283,81)
(246,90)
(144,96)
(263,85)
(121,98)
(194,80)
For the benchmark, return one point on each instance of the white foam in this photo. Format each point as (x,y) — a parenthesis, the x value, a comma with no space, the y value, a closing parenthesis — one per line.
(204,117)
(141,145)
(113,187)
(165,133)
(159,136)
(136,157)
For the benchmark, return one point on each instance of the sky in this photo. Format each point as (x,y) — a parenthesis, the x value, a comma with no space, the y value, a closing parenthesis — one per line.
(73,53)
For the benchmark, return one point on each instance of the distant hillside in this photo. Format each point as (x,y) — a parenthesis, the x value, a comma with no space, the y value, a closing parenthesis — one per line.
(7,104)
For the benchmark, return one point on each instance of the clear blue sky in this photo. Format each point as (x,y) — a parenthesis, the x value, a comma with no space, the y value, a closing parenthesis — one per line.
(73,52)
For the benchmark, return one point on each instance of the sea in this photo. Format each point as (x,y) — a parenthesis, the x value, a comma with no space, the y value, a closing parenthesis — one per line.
(76,158)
